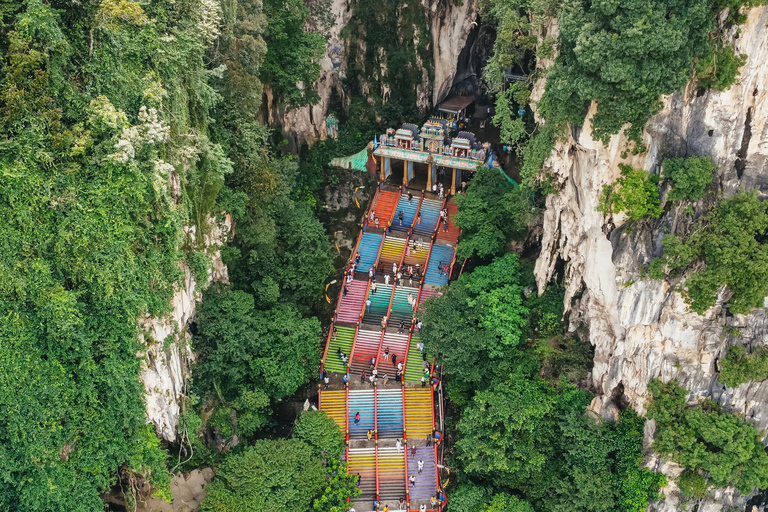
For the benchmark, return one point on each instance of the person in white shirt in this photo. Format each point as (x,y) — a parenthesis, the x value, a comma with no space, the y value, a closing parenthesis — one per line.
(421,465)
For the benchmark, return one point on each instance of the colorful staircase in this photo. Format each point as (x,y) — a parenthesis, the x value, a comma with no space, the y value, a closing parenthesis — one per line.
(351,305)
(409,210)
(362,462)
(343,341)
(369,251)
(391,473)
(414,369)
(401,310)
(452,235)
(427,293)
(389,413)
(391,253)
(379,304)
(366,347)
(334,403)
(397,344)
(441,254)
(426,480)
(419,419)
(395,412)
(430,214)
(384,207)
(361,400)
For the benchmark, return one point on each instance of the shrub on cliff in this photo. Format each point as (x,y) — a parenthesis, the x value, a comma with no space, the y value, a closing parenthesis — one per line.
(728,449)
(636,193)
(739,367)
(689,176)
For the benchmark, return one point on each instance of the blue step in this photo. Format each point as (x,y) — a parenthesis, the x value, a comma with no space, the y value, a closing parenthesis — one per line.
(440,253)
(369,250)
(389,407)
(409,213)
(430,214)
(360,401)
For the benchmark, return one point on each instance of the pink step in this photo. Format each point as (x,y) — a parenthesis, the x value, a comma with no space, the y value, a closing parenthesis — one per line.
(351,305)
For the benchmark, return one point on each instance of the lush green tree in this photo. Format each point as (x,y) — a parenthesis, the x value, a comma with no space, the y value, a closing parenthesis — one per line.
(317,429)
(739,367)
(505,432)
(718,69)
(270,475)
(281,251)
(731,241)
(476,322)
(491,213)
(275,351)
(506,503)
(636,193)
(689,176)
(624,56)
(723,445)
(291,64)
(340,486)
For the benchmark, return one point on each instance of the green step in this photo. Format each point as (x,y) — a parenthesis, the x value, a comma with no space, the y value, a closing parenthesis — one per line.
(413,371)
(344,337)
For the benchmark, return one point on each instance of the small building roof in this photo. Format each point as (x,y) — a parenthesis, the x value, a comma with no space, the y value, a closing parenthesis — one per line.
(455,104)
(403,134)
(460,143)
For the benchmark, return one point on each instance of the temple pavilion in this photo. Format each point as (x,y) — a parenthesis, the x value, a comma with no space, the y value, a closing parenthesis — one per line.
(431,145)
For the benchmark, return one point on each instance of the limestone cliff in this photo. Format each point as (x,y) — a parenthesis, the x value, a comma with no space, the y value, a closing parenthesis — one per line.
(449,24)
(641,328)
(167,354)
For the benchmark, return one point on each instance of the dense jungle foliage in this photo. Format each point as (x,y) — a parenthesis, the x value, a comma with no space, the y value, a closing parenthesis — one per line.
(121,122)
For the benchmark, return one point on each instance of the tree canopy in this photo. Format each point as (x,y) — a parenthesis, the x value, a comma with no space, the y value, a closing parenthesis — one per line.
(490,214)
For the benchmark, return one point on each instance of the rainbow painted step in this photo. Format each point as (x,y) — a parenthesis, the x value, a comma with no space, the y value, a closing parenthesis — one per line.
(397,344)
(391,473)
(369,251)
(379,304)
(362,461)
(389,412)
(426,480)
(430,213)
(343,341)
(334,403)
(414,368)
(441,254)
(366,347)
(408,209)
(452,235)
(384,207)
(401,309)
(391,252)
(361,401)
(351,305)
(419,419)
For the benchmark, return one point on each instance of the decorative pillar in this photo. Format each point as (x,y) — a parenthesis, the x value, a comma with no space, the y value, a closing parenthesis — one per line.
(381,172)
(429,177)
(405,172)
(453,184)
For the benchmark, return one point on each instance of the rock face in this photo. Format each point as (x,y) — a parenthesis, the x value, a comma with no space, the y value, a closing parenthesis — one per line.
(450,25)
(641,328)
(167,354)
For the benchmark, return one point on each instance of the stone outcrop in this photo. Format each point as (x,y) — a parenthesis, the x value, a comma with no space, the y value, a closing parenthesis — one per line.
(641,328)
(166,354)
